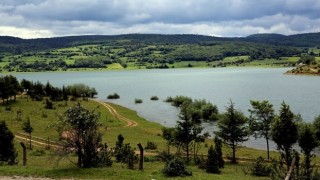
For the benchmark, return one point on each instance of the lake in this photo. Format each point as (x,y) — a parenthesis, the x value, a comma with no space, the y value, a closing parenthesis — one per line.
(217,85)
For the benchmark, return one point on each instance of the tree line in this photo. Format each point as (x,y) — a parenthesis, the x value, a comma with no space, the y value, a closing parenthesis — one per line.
(10,87)
(285,129)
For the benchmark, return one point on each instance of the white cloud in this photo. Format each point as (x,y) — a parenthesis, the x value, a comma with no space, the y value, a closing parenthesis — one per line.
(208,17)
(24,32)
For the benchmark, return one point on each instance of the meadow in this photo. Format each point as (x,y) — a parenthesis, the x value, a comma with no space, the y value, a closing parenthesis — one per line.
(43,162)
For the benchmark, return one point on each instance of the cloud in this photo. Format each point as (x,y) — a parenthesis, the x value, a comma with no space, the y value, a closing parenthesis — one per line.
(208,17)
(24,32)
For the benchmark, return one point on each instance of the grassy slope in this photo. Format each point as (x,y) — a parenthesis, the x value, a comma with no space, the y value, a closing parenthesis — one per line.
(45,165)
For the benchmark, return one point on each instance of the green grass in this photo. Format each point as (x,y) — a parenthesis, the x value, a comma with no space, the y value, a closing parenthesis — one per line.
(235,58)
(46,165)
(152,170)
(184,64)
(3,64)
(115,66)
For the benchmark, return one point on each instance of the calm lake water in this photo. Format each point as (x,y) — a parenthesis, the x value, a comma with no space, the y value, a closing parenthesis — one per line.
(219,86)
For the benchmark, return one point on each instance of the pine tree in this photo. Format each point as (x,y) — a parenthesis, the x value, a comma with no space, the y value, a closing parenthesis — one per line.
(8,153)
(233,129)
(212,161)
(28,129)
(218,149)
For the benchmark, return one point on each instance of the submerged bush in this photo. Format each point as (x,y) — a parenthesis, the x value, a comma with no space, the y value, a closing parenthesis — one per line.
(113,96)
(154,98)
(138,101)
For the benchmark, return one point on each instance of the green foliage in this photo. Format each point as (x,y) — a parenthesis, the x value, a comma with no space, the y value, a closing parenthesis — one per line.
(233,129)
(124,153)
(196,109)
(308,142)
(261,118)
(113,96)
(284,132)
(169,135)
(187,130)
(49,104)
(176,167)
(8,154)
(138,101)
(307,59)
(218,151)
(154,98)
(212,161)
(81,90)
(27,126)
(78,128)
(104,158)
(316,124)
(9,87)
(165,156)
(259,168)
(151,145)
(179,100)
(38,152)
(118,148)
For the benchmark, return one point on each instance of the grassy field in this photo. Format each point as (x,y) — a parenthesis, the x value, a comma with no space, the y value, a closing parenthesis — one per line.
(148,56)
(43,162)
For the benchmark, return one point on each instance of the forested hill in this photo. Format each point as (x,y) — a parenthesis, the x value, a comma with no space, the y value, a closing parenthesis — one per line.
(298,40)
(17,45)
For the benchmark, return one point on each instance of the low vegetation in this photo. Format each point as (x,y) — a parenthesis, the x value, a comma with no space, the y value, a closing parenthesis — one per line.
(147,52)
(113,96)
(138,101)
(87,135)
(154,98)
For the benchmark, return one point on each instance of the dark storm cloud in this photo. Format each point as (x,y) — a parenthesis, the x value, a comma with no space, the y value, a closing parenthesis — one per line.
(211,17)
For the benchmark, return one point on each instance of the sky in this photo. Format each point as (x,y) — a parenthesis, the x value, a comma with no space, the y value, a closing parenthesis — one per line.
(223,18)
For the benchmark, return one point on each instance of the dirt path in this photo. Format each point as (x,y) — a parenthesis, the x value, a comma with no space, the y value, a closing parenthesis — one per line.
(37,141)
(130,122)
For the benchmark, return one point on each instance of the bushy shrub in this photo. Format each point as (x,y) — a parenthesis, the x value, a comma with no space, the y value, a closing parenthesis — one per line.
(151,145)
(154,98)
(138,101)
(259,168)
(124,153)
(48,104)
(212,161)
(165,156)
(104,158)
(113,96)
(39,152)
(169,99)
(176,167)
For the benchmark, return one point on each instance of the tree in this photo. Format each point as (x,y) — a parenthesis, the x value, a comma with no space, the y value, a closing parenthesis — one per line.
(119,145)
(261,118)
(307,59)
(218,149)
(233,129)
(176,167)
(78,128)
(284,133)
(316,124)
(187,129)
(168,134)
(7,151)
(308,142)
(9,87)
(28,129)
(212,161)
(124,153)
